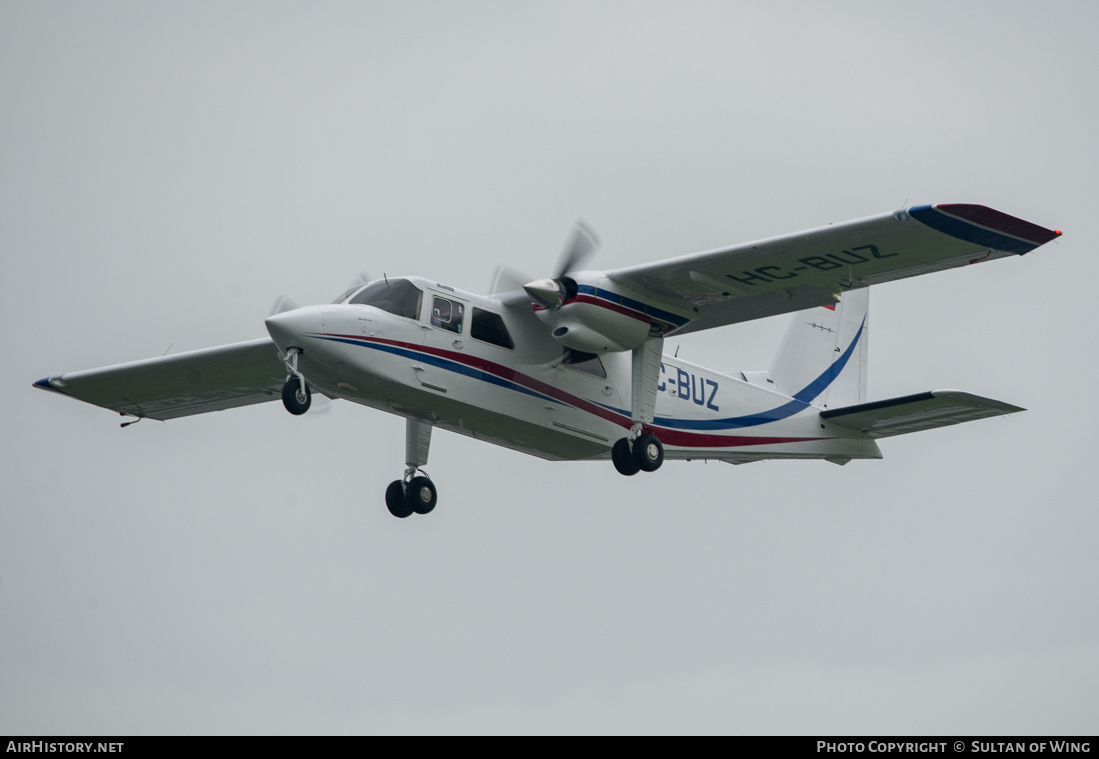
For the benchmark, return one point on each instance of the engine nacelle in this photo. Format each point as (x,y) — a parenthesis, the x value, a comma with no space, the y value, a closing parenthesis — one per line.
(590,326)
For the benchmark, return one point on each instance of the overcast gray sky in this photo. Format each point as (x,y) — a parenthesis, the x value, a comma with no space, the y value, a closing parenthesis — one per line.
(168,169)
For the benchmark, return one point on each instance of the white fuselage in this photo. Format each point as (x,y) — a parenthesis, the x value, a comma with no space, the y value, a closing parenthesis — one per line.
(531,399)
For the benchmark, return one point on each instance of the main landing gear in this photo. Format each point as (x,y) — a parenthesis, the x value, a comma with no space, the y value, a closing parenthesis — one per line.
(644,454)
(414,493)
(641,451)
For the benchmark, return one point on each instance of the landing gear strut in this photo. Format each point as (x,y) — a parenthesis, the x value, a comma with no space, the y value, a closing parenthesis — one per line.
(415,493)
(642,451)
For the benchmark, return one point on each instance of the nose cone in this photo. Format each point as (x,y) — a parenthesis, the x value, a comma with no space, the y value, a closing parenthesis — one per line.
(545,292)
(291,329)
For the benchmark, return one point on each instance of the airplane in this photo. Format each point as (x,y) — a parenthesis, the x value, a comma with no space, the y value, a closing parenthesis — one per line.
(572,366)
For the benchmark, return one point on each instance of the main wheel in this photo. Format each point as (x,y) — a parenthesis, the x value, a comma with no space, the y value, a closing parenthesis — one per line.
(623,459)
(395,500)
(648,452)
(295,398)
(421,495)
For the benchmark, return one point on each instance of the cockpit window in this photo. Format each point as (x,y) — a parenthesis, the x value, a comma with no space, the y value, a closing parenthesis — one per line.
(588,363)
(397,296)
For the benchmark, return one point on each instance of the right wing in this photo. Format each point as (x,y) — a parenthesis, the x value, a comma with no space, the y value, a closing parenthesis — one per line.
(807,269)
(182,384)
(914,413)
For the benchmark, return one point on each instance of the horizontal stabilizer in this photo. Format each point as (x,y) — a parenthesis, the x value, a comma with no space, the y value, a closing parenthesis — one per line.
(914,413)
(181,384)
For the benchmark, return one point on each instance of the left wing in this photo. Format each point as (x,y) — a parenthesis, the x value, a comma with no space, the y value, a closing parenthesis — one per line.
(182,384)
(799,271)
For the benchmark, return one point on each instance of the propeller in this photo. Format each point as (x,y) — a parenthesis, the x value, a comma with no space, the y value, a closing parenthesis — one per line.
(283,304)
(554,293)
(582,244)
(506,279)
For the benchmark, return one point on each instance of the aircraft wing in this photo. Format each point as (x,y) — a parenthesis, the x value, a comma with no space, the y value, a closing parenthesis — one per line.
(182,384)
(799,271)
(914,413)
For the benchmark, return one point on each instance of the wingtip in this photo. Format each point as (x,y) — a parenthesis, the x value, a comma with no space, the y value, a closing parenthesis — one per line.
(46,384)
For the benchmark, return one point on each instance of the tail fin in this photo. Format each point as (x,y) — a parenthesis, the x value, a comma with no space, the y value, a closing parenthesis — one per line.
(822,358)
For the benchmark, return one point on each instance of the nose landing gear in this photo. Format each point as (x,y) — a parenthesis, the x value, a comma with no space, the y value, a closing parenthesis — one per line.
(295,393)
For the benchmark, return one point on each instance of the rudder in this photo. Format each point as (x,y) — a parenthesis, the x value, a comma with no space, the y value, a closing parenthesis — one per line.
(822,357)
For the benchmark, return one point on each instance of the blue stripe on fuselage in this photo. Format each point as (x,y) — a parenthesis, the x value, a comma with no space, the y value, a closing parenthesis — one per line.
(442,363)
(800,402)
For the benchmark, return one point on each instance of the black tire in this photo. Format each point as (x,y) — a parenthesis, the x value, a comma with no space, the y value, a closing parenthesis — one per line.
(421,495)
(648,452)
(395,500)
(291,397)
(623,459)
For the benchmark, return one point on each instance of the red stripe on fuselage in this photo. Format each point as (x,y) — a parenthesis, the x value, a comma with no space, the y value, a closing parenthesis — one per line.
(610,306)
(667,435)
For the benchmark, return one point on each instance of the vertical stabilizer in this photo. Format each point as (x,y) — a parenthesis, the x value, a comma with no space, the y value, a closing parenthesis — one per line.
(822,357)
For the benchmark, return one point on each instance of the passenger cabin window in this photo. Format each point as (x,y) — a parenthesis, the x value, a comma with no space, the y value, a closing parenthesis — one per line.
(588,363)
(447,314)
(490,328)
(397,296)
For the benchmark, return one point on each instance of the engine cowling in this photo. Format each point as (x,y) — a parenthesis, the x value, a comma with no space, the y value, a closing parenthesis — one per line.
(579,318)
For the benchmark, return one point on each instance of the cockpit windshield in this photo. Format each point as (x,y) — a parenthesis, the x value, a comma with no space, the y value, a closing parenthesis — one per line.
(346,293)
(397,296)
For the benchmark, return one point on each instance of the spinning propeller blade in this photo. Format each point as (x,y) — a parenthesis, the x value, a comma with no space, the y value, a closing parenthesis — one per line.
(555,292)
(282,304)
(581,245)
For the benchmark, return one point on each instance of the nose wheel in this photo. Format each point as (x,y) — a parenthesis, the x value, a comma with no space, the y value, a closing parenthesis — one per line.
(296,397)
(295,393)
